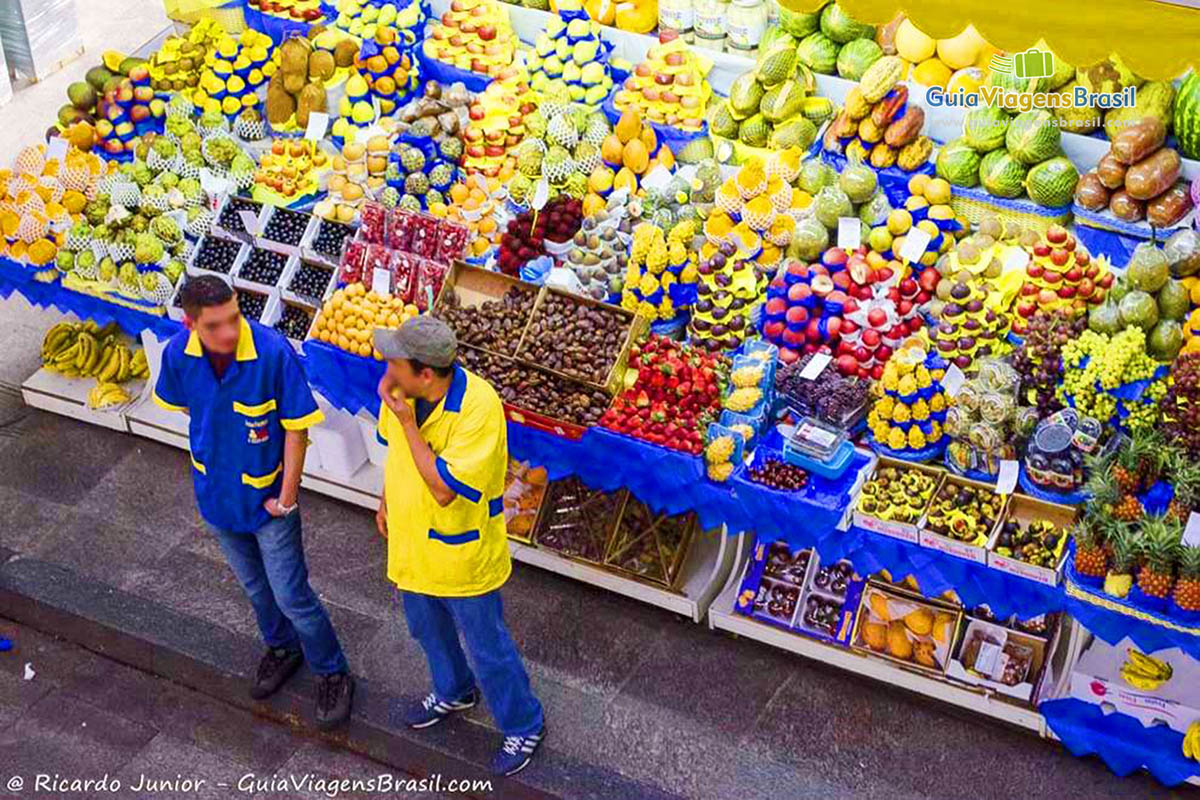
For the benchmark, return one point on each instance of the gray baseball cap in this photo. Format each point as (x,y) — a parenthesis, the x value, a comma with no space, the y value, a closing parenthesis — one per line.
(425,339)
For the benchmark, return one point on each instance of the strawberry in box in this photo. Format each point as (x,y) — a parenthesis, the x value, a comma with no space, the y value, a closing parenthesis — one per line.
(676,393)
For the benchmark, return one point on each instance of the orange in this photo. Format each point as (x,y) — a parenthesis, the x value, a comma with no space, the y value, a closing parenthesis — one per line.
(458,192)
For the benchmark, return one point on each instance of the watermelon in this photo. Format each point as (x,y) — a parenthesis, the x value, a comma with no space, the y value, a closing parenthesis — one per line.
(854,58)
(1010,82)
(1187,116)
(841,27)
(958,163)
(984,128)
(1033,137)
(819,52)
(1002,175)
(1052,182)
(798,23)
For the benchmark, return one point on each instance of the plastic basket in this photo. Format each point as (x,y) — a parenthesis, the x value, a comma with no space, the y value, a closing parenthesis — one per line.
(977,205)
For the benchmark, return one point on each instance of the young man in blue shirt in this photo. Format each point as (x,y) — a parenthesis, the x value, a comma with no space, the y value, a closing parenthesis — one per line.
(250,408)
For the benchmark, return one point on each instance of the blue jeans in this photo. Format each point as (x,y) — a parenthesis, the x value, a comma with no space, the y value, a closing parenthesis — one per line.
(435,622)
(269,564)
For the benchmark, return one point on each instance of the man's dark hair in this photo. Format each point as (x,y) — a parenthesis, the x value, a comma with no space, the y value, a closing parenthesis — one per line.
(204,291)
(441,372)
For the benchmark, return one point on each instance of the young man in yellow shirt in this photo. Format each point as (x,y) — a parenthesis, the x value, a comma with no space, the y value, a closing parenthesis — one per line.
(443,516)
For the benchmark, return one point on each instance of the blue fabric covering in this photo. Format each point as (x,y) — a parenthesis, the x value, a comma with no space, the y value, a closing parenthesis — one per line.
(1122,742)
(937,572)
(1151,623)
(445,74)
(348,382)
(17,278)
(1118,247)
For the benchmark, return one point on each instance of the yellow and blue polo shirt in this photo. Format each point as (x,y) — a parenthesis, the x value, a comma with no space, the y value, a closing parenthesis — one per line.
(237,423)
(461,549)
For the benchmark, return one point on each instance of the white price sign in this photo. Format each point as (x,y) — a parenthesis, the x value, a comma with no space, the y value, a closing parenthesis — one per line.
(1191,533)
(317,123)
(849,233)
(815,366)
(1006,482)
(1016,258)
(952,381)
(249,222)
(915,243)
(56,148)
(381,281)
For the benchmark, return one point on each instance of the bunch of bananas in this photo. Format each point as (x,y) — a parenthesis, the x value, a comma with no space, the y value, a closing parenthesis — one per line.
(107,395)
(84,349)
(1145,672)
(1191,741)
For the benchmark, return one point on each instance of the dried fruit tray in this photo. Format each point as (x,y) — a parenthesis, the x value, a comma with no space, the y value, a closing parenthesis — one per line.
(650,546)
(578,522)
(473,286)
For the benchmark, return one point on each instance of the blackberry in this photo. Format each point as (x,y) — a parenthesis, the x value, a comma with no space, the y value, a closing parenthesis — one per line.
(310,281)
(329,239)
(263,267)
(231,220)
(294,323)
(286,226)
(251,304)
(216,255)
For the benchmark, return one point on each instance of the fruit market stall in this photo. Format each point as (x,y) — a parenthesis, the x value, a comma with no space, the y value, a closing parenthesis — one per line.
(785,340)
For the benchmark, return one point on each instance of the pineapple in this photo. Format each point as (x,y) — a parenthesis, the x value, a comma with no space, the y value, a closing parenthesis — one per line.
(1125,466)
(1160,546)
(1091,559)
(1185,476)
(1124,544)
(1113,481)
(1187,589)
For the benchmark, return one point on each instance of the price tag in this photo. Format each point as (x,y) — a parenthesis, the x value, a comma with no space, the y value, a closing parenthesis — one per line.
(317,123)
(849,233)
(815,366)
(1015,259)
(1006,482)
(1191,532)
(915,243)
(952,381)
(381,281)
(249,222)
(541,193)
(988,657)
(56,148)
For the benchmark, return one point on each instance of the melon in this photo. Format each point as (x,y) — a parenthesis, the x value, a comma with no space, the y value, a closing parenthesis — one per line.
(958,163)
(854,58)
(962,50)
(1052,182)
(819,52)
(1164,340)
(841,27)
(1033,137)
(1148,269)
(984,128)
(913,44)
(1002,175)
(798,23)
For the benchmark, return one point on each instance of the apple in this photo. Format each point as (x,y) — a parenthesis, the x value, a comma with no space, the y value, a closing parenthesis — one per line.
(883,274)
(1073,275)
(664,78)
(793,338)
(877,318)
(1052,277)
(904,308)
(841,279)
(877,372)
(844,348)
(797,317)
(871,338)
(929,280)
(1028,289)
(835,258)
(1082,258)
(486,32)
(846,364)
(1086,288)
(1106,281)
(1041,250)
(908,287)
(850,306)
(1066,292)
(774,330)
(883,353)
(1047,296)
(1059,257)
(799,292)
(788,356)
(1056,234)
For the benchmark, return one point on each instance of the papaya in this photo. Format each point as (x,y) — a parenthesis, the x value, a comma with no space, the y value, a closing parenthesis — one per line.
(665,157)
(625,180)
(635,157)
(898,643)
(649,139)
(611,149)
(628,126)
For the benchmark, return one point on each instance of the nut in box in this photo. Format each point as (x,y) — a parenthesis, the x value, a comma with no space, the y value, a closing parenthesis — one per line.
(913,631)
(486,309)
(524,491)
(650,545)
(578,522)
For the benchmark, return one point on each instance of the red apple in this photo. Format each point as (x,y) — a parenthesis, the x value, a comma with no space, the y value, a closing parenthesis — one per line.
(1059,257)
(847,365)
(883,353)
(774,330)
(1056,234)
(871,338)
(486,32)
(1041,250)
(877,318)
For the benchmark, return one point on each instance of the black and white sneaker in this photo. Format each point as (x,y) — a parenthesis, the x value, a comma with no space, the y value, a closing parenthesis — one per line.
(516,753)
(431,710)
(277,665)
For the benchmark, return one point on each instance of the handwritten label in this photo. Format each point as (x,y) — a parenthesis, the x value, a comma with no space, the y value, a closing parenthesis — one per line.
(56,148)
(952,381)
(249,222)
(381,281)
(815,366)
(1191,533)
(317,123)
(849,233)
(915,243)
(1006,482)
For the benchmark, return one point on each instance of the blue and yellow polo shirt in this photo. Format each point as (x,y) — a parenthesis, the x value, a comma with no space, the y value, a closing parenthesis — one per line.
(458,550)
(237,423)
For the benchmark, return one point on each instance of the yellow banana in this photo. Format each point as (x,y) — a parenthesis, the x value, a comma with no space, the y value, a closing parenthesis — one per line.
(111,362)
(1139,680)
(1191,741)
(68,355)
(1154,667)
(123,372)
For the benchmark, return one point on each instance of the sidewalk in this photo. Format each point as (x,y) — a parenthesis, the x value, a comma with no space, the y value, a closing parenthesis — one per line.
(85,716)
(640,704)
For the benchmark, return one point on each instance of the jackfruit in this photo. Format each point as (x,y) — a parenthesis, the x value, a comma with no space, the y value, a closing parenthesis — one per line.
(321,65)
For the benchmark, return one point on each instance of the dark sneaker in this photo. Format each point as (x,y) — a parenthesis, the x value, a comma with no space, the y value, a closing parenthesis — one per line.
(516,753)
(276,667)
(431,711)
(335,694)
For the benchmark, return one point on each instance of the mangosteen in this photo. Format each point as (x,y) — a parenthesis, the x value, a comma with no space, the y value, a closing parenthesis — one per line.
(719,313)
(738,303)
(719,330)
(947,328)
(952,310)
(721,297)
(975,306)
(704,305)
(972,324)
(705,268)
(701,325)
(960,291)
(723,279)
(728,248)
(737,324)
(703,289)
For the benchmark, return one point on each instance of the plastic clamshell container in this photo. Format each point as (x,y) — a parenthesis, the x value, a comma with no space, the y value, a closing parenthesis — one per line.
(818,440)
(832,469)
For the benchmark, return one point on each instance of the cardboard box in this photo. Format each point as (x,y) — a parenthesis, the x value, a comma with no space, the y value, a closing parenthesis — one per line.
(965,550)
(568,507)
(899,605)
(1096,679)
(998,638)
(473,286)
(1025,509)
(905,531)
